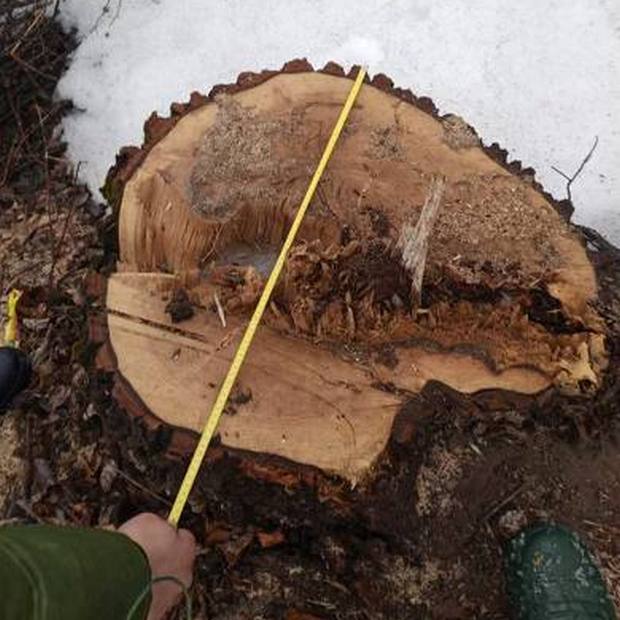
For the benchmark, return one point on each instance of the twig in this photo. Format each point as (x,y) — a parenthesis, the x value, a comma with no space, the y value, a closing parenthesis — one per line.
(323,199)
(141,487)
(571,179)
(104,11)
(76,172)
(602,526)
(23,505)
(33,23)
(48,207)
(58,244)
(24,63)
(33,51)
(483,521)
(491,513)
(118,11)
(25,135)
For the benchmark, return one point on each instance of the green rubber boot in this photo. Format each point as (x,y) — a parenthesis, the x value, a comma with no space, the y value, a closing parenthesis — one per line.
(550,575)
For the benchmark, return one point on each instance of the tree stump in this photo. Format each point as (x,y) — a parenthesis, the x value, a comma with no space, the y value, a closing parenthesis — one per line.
(490,290)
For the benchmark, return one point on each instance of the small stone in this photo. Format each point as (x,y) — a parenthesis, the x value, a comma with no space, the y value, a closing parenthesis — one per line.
(107,476)
(512,522)
(91,411)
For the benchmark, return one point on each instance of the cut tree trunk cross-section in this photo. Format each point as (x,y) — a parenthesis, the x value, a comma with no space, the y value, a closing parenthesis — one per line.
(421,259)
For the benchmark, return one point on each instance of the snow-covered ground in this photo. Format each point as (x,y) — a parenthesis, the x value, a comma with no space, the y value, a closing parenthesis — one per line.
(541,77)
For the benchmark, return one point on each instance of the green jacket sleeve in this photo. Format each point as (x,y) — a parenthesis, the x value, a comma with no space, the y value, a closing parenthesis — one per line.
(66,573)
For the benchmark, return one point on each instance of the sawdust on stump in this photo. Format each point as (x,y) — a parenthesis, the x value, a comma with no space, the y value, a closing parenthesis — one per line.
(500,294)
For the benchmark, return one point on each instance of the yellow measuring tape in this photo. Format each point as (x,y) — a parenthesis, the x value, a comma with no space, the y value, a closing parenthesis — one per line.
(244,345)
(11,329)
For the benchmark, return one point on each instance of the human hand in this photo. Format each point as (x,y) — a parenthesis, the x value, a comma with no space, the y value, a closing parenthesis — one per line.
(170,552)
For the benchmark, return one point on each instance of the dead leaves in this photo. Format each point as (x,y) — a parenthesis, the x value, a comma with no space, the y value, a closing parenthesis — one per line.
(233,543)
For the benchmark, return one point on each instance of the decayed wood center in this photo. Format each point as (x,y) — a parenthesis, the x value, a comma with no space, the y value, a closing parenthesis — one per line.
(487,288)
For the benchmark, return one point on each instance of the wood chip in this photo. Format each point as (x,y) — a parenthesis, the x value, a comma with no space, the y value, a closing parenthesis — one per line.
(220,309)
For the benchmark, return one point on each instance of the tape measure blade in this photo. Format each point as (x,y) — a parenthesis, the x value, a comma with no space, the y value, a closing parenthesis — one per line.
(235,366)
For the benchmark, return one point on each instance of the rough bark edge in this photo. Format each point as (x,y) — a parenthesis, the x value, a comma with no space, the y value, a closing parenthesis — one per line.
(157,127)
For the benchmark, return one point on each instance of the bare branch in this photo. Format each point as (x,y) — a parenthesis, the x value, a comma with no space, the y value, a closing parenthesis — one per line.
(563,174)
(105,11)
(571,179)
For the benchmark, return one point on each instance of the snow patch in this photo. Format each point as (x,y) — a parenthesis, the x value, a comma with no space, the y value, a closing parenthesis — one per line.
(540,78)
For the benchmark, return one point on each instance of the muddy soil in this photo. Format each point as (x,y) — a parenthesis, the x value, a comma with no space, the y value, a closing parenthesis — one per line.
(422,540)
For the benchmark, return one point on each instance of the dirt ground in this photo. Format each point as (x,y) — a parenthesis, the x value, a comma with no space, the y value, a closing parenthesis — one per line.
(422,540)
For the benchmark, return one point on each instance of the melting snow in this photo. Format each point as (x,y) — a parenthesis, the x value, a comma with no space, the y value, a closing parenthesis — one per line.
(540,78)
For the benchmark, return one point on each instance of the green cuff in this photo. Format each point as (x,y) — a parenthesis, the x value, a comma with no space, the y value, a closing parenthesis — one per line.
(66,573)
